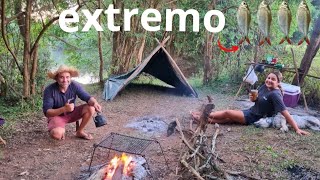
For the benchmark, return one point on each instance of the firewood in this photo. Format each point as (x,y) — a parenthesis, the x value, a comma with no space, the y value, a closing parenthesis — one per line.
(100,174)
(213,142)
(199,157)
(2,141)
(190,168)
(185,140)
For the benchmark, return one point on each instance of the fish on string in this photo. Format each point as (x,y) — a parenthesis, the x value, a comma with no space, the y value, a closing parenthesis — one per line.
(284,20)
(244,19)
(303,19)
(264,22)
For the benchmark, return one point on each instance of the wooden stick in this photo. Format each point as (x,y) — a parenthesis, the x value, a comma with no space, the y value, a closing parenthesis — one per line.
(193,171)
(304,97)
(191,123)
(238,91)
(195,152)
(2,141)
(213,142)
(185,140)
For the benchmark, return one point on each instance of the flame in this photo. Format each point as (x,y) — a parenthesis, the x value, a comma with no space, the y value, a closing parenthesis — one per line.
(123,161)
(112,167)
(126,161)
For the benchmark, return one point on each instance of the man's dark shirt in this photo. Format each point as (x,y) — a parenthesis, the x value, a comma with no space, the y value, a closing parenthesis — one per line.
(53,98)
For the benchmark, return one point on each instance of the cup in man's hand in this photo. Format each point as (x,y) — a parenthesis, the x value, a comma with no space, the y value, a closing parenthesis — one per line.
(254,94)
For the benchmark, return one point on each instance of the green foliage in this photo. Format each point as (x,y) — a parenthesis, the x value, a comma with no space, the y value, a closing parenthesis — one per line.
(14,109)
(79,49)
(148,79)
(84,54)
(196,81)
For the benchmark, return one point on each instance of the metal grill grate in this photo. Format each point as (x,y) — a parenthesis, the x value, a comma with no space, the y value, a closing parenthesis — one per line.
(123,143)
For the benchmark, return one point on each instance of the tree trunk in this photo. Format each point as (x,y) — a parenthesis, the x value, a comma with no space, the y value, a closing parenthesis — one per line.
(3,86)
(100,48)
(26,51)
(128,47)
(115,63)
(310,53)
(141,49)
(34,70)
(208,52)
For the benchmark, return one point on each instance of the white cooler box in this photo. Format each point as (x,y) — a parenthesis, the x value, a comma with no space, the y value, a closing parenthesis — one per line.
(291,94)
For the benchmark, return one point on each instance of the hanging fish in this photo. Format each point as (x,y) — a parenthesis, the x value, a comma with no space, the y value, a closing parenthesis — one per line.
(284,19)
(244,19)
(303,18)
(264,21)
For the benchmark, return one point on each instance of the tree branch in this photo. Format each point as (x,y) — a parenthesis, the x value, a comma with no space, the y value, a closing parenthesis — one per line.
(46,26)
(4,35)
(8,20)
(64,41)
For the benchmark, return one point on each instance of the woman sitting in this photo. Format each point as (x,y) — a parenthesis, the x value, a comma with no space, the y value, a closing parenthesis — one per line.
(268,103)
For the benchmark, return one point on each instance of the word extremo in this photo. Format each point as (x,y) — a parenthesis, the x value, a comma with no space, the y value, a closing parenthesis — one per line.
(64,21)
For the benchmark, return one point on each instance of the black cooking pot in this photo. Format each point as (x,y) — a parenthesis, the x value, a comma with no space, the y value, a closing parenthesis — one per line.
(100,120)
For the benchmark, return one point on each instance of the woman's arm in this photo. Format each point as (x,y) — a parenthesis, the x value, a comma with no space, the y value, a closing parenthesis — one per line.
(293,124)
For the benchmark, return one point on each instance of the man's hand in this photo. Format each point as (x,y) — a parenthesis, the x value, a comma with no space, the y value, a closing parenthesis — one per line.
(93,102)
(69,107)
(97,107)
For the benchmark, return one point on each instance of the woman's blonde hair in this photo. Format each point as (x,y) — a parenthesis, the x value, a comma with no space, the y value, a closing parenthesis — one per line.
(279,78)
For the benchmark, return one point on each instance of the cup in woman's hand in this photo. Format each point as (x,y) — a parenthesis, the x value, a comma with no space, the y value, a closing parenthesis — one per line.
(254,94)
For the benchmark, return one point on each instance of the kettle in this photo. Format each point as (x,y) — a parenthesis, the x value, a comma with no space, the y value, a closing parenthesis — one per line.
(100,120)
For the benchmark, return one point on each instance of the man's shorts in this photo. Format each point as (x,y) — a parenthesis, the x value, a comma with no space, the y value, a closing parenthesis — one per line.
(250,117)
(61,121)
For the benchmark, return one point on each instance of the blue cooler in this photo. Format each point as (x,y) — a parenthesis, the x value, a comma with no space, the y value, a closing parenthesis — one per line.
(291,94)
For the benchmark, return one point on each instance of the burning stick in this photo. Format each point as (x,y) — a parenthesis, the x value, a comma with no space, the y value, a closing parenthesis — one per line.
(118,168)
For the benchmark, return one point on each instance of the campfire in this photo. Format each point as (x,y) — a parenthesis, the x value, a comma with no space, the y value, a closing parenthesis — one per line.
(122,167)
(119,166)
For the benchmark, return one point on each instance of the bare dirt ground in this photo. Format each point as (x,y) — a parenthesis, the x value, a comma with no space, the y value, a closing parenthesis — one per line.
(259,153)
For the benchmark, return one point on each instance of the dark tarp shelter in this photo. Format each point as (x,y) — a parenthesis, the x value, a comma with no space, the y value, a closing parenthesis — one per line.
(158,64)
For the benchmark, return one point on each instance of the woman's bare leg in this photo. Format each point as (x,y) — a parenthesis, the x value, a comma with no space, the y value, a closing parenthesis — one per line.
(221,117)
(227,116)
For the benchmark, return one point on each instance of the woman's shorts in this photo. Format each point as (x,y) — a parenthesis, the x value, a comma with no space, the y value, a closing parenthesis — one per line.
(249,117)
